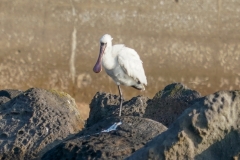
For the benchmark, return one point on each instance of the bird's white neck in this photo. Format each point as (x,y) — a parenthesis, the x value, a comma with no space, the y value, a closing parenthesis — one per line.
(109,60)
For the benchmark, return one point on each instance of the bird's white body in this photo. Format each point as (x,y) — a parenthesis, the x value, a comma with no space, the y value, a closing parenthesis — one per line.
(125,67)
(121,63)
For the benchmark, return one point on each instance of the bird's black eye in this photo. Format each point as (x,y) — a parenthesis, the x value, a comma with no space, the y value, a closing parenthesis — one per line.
(102,43)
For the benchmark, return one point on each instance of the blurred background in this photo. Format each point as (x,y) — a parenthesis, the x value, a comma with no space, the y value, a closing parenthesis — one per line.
(54,44)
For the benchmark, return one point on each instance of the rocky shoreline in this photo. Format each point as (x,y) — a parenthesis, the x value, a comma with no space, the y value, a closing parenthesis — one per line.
(178,123)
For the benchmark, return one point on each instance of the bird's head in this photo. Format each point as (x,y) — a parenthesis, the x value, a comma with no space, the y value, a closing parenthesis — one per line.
(106,40)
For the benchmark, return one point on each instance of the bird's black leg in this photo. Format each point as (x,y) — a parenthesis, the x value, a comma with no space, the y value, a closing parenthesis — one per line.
(121,100)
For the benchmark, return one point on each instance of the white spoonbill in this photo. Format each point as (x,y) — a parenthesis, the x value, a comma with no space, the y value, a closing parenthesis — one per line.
(121,63)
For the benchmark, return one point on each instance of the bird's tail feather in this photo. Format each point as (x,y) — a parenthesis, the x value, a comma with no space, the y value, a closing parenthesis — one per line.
(139,87)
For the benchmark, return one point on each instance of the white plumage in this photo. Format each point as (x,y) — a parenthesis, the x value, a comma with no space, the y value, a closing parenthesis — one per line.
(121,63)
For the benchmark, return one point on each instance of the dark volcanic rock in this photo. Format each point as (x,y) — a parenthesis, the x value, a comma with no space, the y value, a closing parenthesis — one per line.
(44,124)
(8,94)
(106,105)
(167,105)
(35,121)
(91,143)
(209,129)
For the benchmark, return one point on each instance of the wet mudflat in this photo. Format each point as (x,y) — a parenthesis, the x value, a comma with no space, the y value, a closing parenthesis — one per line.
(55,45)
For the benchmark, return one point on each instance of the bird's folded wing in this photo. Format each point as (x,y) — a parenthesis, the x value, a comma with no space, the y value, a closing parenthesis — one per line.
(117,48)
(131,63)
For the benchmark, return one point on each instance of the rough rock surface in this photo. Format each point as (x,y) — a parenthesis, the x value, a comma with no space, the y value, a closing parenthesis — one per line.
(91,143)
(8,94)
(107,105)
(35,121)
(45,124)
(209,129)
(167,105)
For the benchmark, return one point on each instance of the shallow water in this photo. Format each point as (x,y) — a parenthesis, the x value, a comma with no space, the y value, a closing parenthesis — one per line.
(54,45)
